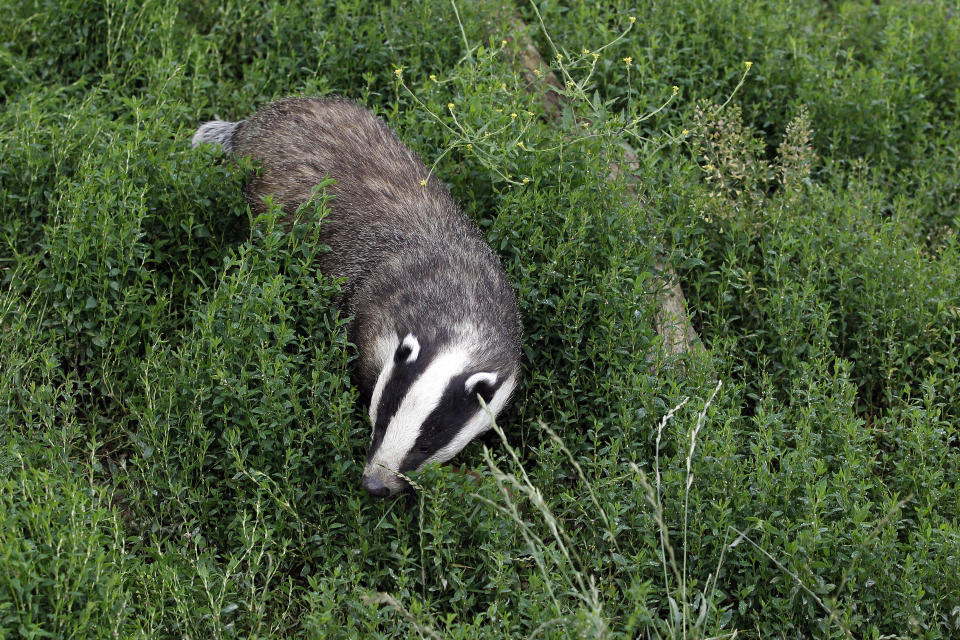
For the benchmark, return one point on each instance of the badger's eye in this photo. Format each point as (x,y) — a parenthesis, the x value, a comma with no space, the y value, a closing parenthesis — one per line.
(408,350)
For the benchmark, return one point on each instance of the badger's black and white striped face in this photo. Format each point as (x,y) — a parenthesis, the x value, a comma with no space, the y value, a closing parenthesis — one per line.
(425,408)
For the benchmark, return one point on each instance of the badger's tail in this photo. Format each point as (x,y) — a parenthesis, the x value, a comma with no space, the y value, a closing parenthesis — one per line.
(216,131)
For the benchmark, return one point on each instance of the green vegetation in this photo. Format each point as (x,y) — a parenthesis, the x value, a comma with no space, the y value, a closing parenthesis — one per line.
(180,443)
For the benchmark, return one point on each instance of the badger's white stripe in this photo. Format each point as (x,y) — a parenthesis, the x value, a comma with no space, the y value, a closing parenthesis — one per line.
(410,342)
(421,399)
(488,377)
(216,131)
(384,350)
(477,424)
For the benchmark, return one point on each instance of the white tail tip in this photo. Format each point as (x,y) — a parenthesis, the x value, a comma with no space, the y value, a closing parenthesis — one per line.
(216,131)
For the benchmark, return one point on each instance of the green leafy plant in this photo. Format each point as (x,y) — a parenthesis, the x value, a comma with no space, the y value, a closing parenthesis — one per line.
(180,441)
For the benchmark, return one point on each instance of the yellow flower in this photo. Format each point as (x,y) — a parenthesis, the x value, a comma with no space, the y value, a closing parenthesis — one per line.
(503,43)
(628,60)
(596,56)
(633,19)
(469,146)
(526,180)
(450,106)
(433,77)
(423,183)
(559,57)
(676,89)
(398,72)
(520,144)
(748,64)
(529,113)
(513,115)
(503,86)
(585,51)
(685,132)
(569,84)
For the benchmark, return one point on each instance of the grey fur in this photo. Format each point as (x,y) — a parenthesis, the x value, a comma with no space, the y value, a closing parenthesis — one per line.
(413,262)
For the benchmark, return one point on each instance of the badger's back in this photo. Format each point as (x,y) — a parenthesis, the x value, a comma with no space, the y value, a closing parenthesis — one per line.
(300,140)
(382,192)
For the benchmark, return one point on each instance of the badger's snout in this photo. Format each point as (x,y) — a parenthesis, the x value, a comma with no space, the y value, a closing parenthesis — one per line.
(382,483)
(375,486)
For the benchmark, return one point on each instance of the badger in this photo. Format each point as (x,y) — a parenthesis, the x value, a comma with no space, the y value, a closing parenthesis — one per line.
(433,316)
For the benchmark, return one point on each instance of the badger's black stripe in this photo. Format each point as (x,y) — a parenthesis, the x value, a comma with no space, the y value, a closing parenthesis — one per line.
(403,376)
(454,410)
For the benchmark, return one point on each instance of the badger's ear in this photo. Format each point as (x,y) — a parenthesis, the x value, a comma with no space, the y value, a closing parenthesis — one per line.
(408,350)
(482,383)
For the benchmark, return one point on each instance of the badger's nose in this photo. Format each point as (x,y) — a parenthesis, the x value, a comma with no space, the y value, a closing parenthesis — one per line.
(375,486)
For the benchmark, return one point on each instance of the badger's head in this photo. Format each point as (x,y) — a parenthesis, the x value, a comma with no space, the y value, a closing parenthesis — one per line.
(426,406)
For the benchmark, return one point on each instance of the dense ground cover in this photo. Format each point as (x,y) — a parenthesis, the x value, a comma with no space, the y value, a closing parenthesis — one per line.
(181,446)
